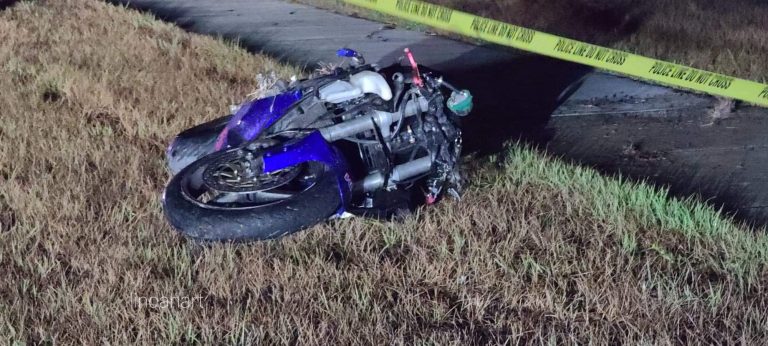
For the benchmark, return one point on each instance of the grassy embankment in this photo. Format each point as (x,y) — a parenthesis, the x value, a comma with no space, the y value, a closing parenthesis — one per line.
(538,250)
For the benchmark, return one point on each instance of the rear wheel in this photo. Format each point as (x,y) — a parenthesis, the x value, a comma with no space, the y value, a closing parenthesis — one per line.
(225,196)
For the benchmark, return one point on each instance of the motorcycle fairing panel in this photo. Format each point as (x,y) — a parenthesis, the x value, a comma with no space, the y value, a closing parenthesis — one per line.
(253,117)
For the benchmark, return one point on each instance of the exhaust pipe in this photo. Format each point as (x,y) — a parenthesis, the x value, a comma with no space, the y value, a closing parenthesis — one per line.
(383,120)
(400,173)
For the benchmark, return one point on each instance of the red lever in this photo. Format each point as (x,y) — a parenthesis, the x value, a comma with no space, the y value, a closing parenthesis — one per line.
(416,75)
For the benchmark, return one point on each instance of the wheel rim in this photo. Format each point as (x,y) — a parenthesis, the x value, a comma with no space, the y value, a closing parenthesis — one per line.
(235,180)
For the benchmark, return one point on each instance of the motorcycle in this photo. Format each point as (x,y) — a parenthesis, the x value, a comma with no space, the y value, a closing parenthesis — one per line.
(360,140)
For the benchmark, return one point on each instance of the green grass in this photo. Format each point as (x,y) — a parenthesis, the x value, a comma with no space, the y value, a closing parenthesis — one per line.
(538,250)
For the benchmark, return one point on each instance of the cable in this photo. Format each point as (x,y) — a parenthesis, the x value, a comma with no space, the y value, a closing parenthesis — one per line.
(403,106)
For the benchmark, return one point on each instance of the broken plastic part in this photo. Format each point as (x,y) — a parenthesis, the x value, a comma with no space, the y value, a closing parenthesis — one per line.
(347,53)
(460,102)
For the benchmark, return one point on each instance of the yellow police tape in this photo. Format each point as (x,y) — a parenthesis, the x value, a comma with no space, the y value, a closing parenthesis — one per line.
(566,49)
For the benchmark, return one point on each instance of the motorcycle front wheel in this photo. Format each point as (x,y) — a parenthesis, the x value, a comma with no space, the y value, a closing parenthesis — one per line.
(225,196)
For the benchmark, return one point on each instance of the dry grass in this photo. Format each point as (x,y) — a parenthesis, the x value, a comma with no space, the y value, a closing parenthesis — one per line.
(729,37)
(538,250)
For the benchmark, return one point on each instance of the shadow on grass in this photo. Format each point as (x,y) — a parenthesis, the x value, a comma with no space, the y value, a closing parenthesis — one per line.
(514,99)
(7,3)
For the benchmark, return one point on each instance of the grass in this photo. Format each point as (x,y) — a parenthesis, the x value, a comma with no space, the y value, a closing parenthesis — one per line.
(538,250)
(728,37)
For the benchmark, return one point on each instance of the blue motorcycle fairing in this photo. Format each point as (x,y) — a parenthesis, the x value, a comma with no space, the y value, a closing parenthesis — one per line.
(313,147)
(254,117)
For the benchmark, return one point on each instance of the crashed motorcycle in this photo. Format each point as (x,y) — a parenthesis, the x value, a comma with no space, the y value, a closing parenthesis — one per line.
(358,139)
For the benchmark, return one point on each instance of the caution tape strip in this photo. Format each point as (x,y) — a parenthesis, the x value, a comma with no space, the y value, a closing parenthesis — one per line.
(494,31)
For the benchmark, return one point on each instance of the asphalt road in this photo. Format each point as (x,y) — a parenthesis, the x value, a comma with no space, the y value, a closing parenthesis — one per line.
(611,123)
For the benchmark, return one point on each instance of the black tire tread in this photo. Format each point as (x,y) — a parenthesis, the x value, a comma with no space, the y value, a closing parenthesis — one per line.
(268,222)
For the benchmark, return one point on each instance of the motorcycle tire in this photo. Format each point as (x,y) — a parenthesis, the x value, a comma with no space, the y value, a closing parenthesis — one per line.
(307,208)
